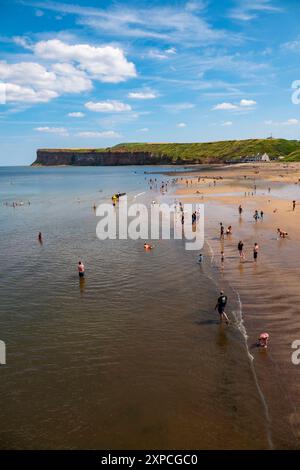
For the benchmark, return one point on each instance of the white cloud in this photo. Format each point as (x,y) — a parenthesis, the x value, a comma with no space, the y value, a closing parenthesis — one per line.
(76,114)
(32,82)
(142,95)
(53,130)
(225,107)
(22,94)
(108,106)
(171,23)
(293,46)
(171,50)
(289,122)
(247,102)
(227,123)
(105,63)
(144,129)
(249,9)
(181,124)
(243,104)
(102,134)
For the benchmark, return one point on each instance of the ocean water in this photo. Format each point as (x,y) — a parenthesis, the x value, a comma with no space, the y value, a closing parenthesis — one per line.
(133,356)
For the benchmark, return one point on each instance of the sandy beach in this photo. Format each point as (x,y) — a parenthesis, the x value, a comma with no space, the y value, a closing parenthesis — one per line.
(269,288)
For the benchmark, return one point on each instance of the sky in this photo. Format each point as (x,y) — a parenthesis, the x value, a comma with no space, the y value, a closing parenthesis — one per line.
(92,73)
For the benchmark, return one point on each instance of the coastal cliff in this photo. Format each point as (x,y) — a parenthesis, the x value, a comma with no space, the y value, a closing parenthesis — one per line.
(98,158)
(170,153)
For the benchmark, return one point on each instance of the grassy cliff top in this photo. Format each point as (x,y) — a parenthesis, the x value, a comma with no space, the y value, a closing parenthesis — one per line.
(225,150)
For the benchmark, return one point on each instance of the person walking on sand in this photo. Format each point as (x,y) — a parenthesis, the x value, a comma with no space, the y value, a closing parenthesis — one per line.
(255,252)
(241,249)
(81,269)
(256,216)
(40,237)
(240,209)
(294,205)
(220,306)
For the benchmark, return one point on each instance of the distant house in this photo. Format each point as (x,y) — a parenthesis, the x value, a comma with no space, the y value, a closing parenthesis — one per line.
(253,159)
(265,158)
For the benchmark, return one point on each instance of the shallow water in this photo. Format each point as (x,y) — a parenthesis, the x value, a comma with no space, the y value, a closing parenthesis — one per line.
(130,358)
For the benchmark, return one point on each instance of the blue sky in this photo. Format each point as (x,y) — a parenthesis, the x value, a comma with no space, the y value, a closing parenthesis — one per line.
(95,73)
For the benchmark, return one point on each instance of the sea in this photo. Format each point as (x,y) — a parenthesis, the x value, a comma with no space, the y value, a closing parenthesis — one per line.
(132,356)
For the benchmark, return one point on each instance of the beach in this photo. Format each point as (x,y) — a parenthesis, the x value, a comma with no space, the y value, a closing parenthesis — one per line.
(268,289)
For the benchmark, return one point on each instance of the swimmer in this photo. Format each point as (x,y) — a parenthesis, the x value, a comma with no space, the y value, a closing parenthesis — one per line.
(220,306)
(263,340)
(81,269)
(147,246)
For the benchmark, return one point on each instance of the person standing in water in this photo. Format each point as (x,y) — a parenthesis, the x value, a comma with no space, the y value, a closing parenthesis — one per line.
(240,209)
(241,249)
(40,237)
(221,230)
(81,269)
(220,306)
(255,251)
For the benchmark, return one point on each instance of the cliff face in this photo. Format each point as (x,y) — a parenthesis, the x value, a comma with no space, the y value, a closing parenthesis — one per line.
(96,158)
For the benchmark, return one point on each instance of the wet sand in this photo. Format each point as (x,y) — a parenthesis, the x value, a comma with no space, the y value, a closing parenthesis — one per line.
(268,289)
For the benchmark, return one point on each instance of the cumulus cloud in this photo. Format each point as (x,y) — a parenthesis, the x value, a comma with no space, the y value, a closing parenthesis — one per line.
(108,106)
(53,130)
(181,124)
(100,134)
(32,82)
(27,95)
(142,95)
(64,69)
(105,63)
(76,114)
